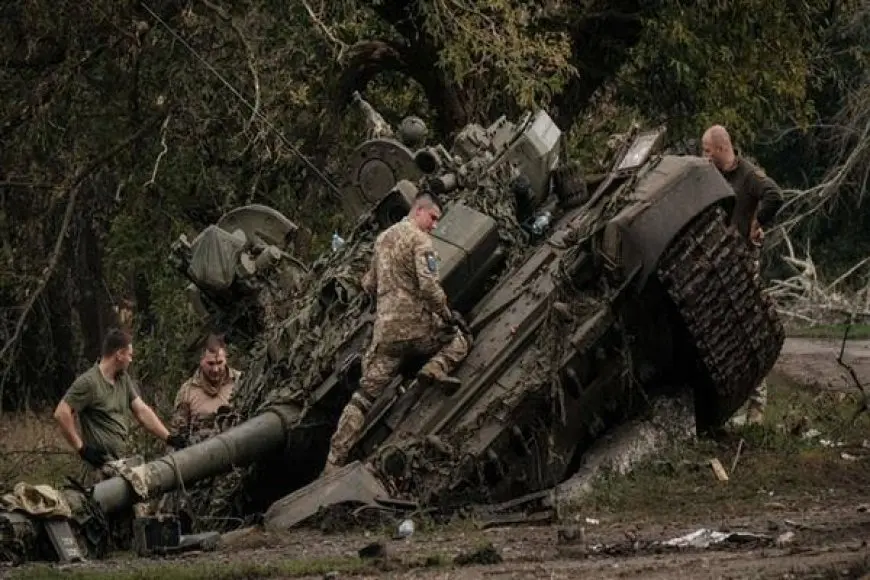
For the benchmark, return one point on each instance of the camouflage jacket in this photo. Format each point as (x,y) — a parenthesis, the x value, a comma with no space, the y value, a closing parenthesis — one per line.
(758,196)
(198,400)
(404,277)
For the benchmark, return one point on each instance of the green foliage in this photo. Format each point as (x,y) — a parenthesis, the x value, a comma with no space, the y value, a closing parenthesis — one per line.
(744,64)
(494,43)
(74,92)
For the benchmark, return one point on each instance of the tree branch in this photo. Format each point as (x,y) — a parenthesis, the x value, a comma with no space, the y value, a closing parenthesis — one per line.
(248,51)
(73,188)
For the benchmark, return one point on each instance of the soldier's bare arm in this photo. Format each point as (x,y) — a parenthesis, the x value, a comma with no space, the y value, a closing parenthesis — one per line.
(79,396)
(431,293)
(63,414)
(149,419)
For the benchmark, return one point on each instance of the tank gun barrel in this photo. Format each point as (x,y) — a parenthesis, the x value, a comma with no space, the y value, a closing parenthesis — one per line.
(236,447)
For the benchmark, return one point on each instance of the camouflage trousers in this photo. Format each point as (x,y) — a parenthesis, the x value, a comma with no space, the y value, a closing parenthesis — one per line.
(380,364)
(758,396)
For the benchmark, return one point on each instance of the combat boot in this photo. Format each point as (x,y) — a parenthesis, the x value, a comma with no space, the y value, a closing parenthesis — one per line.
(432,374)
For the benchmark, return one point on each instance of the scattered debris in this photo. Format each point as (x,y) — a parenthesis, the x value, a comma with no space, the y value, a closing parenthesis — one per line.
(573,535)
(373,551)
(785,539)
(737,456)
(721,475)
(406,528)
(811,434)
(484,555)
(704,538)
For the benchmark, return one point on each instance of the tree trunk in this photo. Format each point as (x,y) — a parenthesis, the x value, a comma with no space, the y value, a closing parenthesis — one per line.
(95,304)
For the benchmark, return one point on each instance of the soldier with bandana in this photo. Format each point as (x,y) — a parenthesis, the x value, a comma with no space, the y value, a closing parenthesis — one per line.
(413,318)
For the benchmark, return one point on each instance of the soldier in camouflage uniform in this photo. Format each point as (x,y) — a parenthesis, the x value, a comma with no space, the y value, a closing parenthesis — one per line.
(206,394)
(202,410)
(758,199)
(413,318)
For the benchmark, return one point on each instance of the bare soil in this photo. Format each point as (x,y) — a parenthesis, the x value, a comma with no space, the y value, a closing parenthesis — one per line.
(803,496)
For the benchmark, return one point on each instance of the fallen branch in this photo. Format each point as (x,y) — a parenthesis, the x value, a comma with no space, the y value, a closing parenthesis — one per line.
(804,297)
(737,456)
(851,370)
(72,187)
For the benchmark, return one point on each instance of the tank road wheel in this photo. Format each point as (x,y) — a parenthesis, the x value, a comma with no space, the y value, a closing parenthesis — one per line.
(737,334)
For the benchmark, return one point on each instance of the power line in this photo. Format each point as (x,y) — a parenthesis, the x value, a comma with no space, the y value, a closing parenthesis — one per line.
(241,98)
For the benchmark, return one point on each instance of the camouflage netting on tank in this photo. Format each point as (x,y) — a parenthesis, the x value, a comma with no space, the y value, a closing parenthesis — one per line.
(294,356)
(432,471)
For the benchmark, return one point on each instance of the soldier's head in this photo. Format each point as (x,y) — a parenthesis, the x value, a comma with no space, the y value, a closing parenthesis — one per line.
(718,148)
(213,363)
(117,349)
(426,211)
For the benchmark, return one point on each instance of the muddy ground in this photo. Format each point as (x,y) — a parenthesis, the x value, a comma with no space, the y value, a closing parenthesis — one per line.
(797,488)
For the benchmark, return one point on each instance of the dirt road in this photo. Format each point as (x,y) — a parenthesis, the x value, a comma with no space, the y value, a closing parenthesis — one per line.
(802,500)
(813,362)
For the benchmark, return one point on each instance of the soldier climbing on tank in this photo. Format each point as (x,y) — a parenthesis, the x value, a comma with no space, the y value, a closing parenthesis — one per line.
(758,200)
(205,396)
(104,398)
(413,319)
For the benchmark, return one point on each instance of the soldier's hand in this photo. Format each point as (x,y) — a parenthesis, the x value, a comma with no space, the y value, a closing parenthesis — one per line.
(176,441)
(756,233)
(95,456)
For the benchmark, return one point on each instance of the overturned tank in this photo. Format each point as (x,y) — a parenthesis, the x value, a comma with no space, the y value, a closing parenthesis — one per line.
(587,297)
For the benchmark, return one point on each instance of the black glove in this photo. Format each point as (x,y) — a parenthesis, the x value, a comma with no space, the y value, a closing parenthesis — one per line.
(458,321)
(95,456)
(177,441)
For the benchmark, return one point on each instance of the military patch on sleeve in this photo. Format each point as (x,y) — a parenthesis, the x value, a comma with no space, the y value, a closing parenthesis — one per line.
(760,174)
(431,262)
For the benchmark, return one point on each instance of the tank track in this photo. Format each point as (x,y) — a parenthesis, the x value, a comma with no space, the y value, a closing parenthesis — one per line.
(709,274)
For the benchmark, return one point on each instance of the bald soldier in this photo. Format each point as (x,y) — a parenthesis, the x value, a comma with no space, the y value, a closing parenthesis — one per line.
(413,319)
(758,196)
(758,200)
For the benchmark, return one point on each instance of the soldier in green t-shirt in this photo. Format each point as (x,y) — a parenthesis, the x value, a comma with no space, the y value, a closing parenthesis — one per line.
(105,399)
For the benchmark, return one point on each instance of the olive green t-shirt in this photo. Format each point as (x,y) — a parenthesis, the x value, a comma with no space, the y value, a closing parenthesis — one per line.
(103,409)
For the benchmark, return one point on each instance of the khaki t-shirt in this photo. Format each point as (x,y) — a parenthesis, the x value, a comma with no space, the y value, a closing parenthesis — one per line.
(103,409)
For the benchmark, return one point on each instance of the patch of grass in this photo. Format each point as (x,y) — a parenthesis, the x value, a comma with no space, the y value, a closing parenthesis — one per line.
(199,571)
(33,450)
(856,331)
(776,463)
